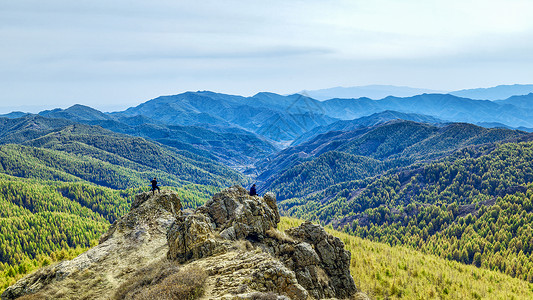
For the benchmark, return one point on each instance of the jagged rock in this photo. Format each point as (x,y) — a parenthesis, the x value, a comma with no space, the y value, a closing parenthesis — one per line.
(270,200)
(168,200)
(238,215)
(334,262)
(192,237)
(146,212)
(316,259)
(242,273)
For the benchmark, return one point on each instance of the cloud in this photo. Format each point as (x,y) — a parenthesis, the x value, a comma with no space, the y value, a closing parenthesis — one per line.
(104,50)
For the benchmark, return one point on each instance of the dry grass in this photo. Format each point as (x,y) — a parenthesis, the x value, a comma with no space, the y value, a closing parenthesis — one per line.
(146,277)
(279,235)
(187,284)
(243,245)
(164,280)
(385,272)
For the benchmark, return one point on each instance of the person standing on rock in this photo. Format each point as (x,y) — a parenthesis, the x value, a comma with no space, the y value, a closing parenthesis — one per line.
(155,186)
(253,192)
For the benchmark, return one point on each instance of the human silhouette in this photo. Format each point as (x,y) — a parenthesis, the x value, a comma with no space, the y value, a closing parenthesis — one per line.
(155,186)
(253,192)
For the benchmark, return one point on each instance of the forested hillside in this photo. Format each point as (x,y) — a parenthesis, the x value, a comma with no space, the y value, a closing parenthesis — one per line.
(386,272)
(101,156)
(473,206)
(63,183)
(231,145)
(371,151)
(367,121)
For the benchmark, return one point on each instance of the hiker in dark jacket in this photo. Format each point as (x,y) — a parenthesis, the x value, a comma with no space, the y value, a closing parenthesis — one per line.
(155,186)
(253,191)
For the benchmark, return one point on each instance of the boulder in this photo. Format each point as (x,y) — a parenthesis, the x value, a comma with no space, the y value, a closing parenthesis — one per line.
(166,199)
(330,277)
(237,215)
(192,237)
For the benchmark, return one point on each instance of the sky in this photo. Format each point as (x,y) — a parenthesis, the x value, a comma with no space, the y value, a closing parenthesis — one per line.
(111,55)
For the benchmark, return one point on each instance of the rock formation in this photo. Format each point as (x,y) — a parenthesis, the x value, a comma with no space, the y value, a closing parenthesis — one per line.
(233,237)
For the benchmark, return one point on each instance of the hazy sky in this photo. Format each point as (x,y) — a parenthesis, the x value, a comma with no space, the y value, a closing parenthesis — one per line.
(115,54)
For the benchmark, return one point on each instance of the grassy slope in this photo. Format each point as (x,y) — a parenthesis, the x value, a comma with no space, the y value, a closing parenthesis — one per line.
(383,272)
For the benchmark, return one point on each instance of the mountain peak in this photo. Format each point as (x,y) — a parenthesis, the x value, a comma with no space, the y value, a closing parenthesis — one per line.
(76,112)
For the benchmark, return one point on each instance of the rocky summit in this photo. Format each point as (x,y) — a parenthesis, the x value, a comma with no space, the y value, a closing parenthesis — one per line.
(229,248)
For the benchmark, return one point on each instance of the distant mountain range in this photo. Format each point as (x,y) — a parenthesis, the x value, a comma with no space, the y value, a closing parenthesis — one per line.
(240,131)
(369,91)
(377,92)
(442,106)
(500,92)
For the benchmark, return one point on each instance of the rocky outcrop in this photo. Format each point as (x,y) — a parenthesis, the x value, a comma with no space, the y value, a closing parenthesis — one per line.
(316,260)
(192,237)
(241,273)
(236,215)
(233,237)
(328,255)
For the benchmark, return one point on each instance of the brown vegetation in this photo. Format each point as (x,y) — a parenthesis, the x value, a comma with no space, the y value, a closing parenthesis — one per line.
(164,280)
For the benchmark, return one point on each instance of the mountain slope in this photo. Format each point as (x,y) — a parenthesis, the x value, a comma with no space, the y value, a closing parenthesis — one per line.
(382,271)
(367,121)
(44,221)
(390,145)
(477,200)
(108,158)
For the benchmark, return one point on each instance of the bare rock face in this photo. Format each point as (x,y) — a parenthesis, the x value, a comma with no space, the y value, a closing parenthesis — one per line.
(314,258)
(236,215)
(241,273)
(332,267)
(167,200)
(192,237)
